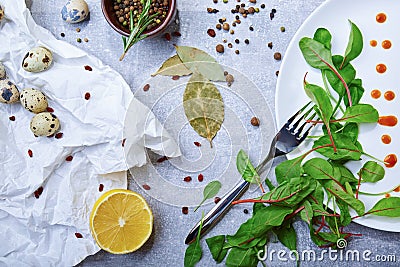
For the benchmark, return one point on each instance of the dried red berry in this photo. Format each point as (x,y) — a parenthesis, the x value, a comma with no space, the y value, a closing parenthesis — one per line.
(175,77)
(146,187)
(88,68)
(177,34)
(59,135)
(87,96)
(168,36)
(197,144)
(38,192)
(162,159)
(217,199)
(30,153)
(185,210)
(12,118)
(211,33)
(123,142)
(101,187)
(187,179)
(69,158)
(78,235)
(146,87)
(200,178)
(49,109)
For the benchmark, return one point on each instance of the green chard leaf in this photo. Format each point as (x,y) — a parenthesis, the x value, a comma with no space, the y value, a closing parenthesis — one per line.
(318,168)
(239,257)
(356,92)
(210,191)
(315,53)
(216,246)
(199,61)
(307,213)
(246,169)
(323,36)
(204,107)
(345,174)
(287,236)
(194,252)
(319,96)
(361,113)
(345,217)
(371,172)
(389,207)
(289,169)
(351,130)
(354,45)
(173,67)
(346,149)
(348,74)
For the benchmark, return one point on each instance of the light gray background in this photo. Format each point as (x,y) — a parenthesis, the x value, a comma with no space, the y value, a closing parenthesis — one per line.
(166,245)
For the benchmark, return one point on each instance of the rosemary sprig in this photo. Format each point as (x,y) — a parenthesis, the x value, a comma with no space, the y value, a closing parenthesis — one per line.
(136,34)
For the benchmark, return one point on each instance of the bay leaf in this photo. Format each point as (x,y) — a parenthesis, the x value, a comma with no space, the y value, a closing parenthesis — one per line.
(204,107)
(199,61)
(173,67)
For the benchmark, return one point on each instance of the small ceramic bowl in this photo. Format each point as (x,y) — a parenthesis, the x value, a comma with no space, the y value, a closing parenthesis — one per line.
(109,13)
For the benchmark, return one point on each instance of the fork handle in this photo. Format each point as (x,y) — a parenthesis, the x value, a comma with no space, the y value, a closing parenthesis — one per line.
(215,214)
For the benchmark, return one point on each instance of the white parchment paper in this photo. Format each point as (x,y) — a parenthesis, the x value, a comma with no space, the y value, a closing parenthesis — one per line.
(43,231)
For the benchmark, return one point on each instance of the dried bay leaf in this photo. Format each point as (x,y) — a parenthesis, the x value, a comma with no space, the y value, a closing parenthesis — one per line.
(199,61)
(173,67)
(204,107)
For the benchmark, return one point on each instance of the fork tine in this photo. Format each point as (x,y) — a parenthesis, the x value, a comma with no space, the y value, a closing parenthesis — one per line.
(300,129)
(291,119)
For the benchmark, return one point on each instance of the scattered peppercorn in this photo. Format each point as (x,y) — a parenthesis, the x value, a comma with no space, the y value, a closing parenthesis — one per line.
(218,26)
(200,178)
(123,142)
(87,96)
(187,179)
(270,45)
(251,28)
(251,10)
(230,45)
(215,1)
(217,199)
(11,118)
(283,29)
(78,29)
(255,121)
(277,73)
(101,187)
(185,210)
(220,48)
(277,56)
(233,24)
(273,10)
(79,40)
(262,6)
(146,187)
(229,79)
(237,41)
(146,87)
(62,34)
(225,26)
(85,40)
(246,41)
(224,41)
(225,1)
(59,135)
(232,32)
(246,211)
(212,10)
(211,33)
(242,4)
(237,52)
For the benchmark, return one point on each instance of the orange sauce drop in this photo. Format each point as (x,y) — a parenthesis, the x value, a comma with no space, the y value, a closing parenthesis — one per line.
(381,68)
(387,195)
(386,139)
(375,93)
(390,160)
(381,18)
(397,189)
(389,95)
(387,120)
(386,44)
(373,43)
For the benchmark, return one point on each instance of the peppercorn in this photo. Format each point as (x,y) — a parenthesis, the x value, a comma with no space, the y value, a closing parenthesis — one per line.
(283,29)
(242,10)
(218,26)
(246,211)
(79,40)
(229,79)
(62,34)
(270,45)
(220,48)
(277,56)
(246,41)
(85,40)
(225,73)
(262,6)
(78,29)
(255,121)
(271,15)
(225,26)
(232,32)
(251,10)
(237,17)
(211,33)
(251,28)
(225,1)
(233,24)
(230,45)
(253,1)
(237,41)
(273,10)
(215,1)
(237,52)
(224,41)
(242,4)
(277,73)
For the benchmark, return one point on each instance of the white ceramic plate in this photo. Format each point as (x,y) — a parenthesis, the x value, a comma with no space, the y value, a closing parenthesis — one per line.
(290,96)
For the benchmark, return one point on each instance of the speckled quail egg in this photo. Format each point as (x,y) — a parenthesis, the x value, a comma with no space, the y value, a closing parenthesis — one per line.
(44,124)
(1,12)
(33,100)
(8,92)
(75,11)
(2,71)
(37,59)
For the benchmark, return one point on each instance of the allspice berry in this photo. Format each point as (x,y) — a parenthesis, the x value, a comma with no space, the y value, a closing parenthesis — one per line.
(229,79)
(220,48)
(225,26)
(277,56)
(255,121)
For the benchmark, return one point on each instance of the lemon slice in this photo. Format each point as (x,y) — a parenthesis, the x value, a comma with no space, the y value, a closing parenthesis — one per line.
(121,221)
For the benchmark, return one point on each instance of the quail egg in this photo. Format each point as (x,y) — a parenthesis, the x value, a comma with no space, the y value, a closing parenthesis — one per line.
(33,100)
(37,59)
(44,124)
(75,11)
(2,71)
(1,12)
(8,92)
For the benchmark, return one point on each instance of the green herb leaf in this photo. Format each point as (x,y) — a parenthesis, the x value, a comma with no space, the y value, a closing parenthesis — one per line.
(371,172)
(323,36)
(361,113)
(173,67)
(356,92)
(346,149)
(318,168)
(199,61)
(319,96)
(210,191)
(389,207)
(194,252)
(315,53)
(204,107)
(345,217)
(289,169)
(354,45)
(239,257)
(246,169)
(351,130)
(345,174)
(216,246)
(307,213)
(287,236)
(348,73)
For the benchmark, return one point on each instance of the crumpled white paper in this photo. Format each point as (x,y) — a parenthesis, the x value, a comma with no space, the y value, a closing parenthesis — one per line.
(42,231)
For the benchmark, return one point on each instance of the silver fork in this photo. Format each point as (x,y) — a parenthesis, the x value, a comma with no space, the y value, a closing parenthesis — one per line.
(290,136)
